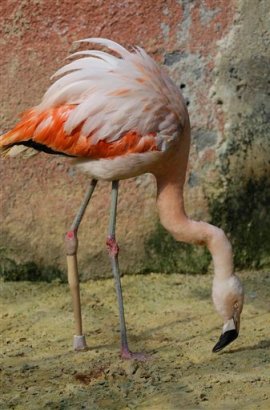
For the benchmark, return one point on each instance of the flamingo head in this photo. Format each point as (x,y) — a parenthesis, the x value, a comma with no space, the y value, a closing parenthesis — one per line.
(228,297)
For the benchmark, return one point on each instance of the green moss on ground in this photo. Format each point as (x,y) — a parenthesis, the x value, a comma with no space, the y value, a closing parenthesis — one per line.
(30,271)
(165,254)
(242,212)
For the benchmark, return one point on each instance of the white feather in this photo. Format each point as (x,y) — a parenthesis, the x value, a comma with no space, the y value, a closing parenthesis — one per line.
(95,53)
(111,45)
(114,95)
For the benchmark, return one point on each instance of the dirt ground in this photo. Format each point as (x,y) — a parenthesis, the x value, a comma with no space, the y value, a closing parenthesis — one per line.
(169,316)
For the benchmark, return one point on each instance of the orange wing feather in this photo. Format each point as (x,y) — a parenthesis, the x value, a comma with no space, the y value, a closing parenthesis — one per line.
(47,128)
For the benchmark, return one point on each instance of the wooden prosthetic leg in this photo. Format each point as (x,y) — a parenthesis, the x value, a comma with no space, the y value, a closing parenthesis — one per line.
(71,243)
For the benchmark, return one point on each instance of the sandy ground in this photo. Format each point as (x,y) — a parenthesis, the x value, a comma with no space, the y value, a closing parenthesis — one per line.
(169,316)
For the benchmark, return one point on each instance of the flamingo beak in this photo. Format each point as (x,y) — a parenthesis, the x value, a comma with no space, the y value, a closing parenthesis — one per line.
(229,333)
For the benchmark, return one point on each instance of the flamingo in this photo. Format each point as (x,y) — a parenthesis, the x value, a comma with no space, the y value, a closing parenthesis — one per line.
(118,115)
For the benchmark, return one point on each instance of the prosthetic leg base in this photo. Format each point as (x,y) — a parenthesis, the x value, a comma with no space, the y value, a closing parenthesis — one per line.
(79,343)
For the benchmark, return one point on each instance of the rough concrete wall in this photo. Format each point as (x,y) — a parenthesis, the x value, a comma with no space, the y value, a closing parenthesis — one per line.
(216,51)
(242,90)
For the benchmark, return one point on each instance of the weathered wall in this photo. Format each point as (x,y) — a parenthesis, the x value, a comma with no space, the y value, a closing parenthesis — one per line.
(218,54)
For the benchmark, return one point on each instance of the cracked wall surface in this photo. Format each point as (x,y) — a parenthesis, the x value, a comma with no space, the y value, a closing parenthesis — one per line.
(218,54)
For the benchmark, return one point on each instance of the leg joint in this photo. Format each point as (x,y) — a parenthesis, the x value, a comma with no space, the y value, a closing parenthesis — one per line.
(71,242)
(112,246)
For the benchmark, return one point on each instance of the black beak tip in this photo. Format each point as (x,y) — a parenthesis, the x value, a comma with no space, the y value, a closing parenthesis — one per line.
(225,339)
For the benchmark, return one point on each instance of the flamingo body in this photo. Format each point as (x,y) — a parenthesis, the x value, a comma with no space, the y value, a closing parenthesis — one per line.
(101,112)
(118,115)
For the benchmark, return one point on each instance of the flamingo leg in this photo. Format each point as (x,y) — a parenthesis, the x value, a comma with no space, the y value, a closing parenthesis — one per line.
(113,250)
(71,242)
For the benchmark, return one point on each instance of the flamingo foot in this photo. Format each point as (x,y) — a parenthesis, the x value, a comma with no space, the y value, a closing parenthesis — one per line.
(139,356)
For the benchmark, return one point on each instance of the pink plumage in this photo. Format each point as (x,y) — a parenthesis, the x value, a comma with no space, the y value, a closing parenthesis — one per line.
(104,106)
(119,115)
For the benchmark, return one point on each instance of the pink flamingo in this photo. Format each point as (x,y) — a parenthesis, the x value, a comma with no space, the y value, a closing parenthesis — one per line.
(118,115)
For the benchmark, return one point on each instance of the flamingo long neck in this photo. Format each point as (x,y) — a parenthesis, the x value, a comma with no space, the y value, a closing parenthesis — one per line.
(171,208)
